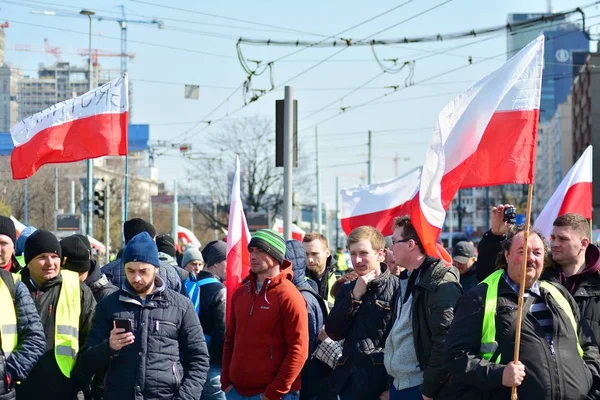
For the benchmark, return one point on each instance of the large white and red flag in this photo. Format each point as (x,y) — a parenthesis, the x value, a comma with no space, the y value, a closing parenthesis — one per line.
(485,136)
(238,237)
(297,232)
(573,195)
(89,126)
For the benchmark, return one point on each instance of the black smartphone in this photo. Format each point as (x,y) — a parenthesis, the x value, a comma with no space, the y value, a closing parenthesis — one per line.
(510,215)
(124,323)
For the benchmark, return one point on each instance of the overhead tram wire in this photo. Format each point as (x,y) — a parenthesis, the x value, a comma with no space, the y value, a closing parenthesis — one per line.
(333,55)
(424,80)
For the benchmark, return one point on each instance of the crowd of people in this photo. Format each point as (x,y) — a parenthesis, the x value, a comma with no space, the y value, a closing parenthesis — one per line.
(390,323)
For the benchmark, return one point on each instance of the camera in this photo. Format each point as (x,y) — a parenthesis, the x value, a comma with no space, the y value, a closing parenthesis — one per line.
(510,215)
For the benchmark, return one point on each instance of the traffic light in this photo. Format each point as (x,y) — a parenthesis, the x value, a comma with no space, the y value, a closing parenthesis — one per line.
(99,202)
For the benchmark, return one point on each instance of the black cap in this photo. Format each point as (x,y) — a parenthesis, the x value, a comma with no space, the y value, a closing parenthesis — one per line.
(75,254)
(135,226)
(166,244)
(463,251)
(39,242)
(214,252)
(7,227)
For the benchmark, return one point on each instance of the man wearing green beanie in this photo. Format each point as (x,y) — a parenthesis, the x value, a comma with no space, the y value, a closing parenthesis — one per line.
(266,309)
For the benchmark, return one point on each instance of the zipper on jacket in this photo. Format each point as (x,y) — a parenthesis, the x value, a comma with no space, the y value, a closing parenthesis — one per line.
(553,353)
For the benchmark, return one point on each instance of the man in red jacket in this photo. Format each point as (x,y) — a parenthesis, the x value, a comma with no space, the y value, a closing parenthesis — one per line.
(266,342)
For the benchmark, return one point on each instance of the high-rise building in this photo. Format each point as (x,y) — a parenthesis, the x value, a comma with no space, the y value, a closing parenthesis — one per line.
(565,43)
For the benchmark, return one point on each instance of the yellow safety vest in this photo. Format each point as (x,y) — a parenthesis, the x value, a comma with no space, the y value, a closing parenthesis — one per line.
(66,328)
(330,282)
(8,320)
(342,265)
(488,329)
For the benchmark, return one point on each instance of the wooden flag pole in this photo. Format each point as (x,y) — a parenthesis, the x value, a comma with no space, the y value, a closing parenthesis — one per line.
(513,394)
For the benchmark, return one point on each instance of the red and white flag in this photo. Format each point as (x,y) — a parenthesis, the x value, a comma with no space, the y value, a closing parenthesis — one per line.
(297,233)
(238,237)
(573,195)
(485,136)
(89,126)
(187,237)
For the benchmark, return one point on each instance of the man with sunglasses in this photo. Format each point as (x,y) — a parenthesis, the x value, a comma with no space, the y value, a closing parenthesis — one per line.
(414,349)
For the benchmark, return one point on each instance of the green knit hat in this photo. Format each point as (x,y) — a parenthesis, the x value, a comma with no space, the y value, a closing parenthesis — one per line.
(270,242)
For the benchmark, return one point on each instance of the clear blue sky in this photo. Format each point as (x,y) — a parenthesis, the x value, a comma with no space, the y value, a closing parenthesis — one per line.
(402,125)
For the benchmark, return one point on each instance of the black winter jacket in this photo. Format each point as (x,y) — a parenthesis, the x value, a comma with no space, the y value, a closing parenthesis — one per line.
(213,299)
(487,251)
(99,283)
(435,290)
(115,272)
(31,340)
(183,274)
(562,375)
(46,374)
(363,325)
(321,285)
(168,359)
(315,373)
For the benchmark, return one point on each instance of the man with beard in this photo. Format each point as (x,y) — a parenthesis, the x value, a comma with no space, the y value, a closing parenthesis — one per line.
(320,265)
(8,241)
(558,355)
(158,351)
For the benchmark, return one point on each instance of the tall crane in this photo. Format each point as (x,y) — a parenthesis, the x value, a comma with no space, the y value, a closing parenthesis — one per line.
(102,53)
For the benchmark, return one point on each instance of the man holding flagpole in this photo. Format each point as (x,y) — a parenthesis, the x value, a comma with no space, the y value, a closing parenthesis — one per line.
(559,356)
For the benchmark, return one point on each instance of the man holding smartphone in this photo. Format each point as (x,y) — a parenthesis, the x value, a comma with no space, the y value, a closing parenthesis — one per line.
(147,336)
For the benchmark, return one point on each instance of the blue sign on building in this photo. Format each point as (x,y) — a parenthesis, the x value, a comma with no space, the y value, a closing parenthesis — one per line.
(138,135)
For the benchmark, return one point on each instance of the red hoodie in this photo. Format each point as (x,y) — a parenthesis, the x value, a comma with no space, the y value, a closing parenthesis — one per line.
(266,341)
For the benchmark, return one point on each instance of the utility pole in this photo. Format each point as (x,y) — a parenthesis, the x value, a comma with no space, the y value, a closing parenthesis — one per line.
(175,213)
(90,165)
(370,163)
(26,202)
(319,206)
(288,160)
(107,222)
(55,200)
(487,206)
(337,212)
(72,205)
(191,215)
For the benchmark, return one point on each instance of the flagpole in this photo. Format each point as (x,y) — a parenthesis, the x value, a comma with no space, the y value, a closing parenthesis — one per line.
(513,394)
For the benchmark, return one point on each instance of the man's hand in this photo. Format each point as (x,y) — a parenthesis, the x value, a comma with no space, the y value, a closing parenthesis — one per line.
(513,374)
(119,338)
(385,395)
(228,389)
(361,285)
(322,334)
(499,227)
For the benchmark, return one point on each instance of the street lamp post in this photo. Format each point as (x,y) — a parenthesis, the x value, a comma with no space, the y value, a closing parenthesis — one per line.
(90,165)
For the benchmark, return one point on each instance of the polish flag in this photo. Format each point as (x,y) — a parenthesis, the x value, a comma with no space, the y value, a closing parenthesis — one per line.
(89,126)
(187,236)
(485,136)
(19,227)
(573,195)
(238,237)
(297,233)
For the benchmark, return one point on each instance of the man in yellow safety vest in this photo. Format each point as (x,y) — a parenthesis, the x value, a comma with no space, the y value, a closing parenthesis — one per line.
(558,356)
(65,307)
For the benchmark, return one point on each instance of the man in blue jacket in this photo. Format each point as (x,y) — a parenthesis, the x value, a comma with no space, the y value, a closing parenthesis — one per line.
(161,353)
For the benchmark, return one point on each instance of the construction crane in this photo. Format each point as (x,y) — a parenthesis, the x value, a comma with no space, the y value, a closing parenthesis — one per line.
(55,51)
(102,53)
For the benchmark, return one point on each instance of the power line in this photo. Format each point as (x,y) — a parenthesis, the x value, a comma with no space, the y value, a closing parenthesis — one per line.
(226,18)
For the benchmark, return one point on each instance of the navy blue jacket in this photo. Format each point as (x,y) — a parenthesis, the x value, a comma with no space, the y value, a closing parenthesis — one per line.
(169,358)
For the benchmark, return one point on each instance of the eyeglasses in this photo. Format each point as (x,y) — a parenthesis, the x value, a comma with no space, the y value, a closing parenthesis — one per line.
(399,241)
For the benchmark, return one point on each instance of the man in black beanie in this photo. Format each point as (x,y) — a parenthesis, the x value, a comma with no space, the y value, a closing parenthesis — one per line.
(215,258)
(115,270)
(76,252)
(66,308)
(8,240)
(167,254)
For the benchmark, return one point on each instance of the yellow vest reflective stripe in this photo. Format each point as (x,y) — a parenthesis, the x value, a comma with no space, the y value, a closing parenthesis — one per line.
(330,282)
(16,277)
(565,306)
(8,320)
(488,328)
(66,329)
(342,265)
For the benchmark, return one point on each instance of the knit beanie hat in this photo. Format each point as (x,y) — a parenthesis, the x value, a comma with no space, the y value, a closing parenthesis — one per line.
(75,254)
(191,254)
(270,242)
(135,226)
(39,242)
(141,248)
(85,241)
(214,252)
(166,244)
(20,245)
(7,227)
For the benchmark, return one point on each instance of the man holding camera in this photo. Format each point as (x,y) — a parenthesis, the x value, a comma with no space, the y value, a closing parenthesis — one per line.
(148,337)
